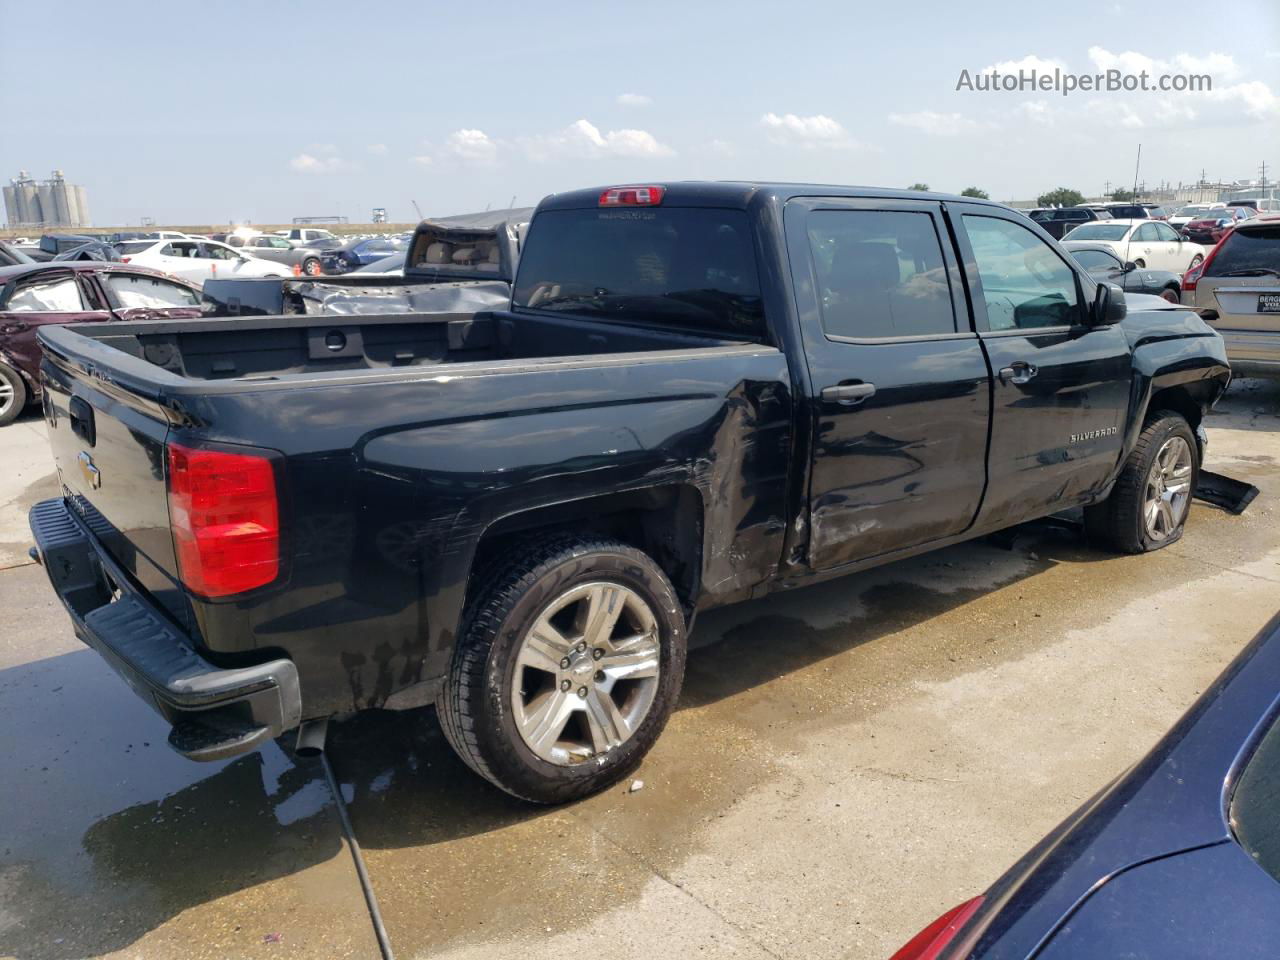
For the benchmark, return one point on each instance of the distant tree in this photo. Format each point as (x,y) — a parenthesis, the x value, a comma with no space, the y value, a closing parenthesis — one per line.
(918,186)
(1121,195)
(1062,197)
(977,192)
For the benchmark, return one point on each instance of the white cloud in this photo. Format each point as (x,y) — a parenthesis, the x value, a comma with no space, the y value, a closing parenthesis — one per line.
(471,146)
(424,160)
(1226,102)
(722,148)
(936,124)
(634,100)
(584,139)
(310,163)
(810,133)
(1037,111)
(377,149)
(1028,63)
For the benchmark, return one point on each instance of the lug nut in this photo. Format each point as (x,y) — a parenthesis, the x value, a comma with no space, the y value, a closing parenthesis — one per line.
(582,645)
(599,676)
(565,684)
(598,652)
(564,664)
(582,692)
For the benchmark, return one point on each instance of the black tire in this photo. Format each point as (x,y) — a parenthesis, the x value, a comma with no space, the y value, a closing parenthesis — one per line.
(1118,523)
(311,267)
(473,705)
(14,398)
(1196,261)
(1171,294)
(1142,264)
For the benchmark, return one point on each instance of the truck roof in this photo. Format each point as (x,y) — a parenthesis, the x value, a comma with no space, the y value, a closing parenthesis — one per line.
(740,194)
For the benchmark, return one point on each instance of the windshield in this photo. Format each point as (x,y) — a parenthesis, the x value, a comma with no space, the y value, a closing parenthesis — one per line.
(1099,231)
(674,266)
(1192,212)
(1247,249)
(1255,806)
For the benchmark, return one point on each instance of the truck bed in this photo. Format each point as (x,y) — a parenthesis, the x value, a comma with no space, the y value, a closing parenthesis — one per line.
(258,348)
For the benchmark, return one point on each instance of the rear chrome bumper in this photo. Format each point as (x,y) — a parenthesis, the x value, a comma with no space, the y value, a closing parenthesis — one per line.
(1253,353)
(214,712)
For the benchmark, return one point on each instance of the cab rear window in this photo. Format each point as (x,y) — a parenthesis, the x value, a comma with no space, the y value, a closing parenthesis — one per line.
(688,267)
(1256,249)
(1255,806)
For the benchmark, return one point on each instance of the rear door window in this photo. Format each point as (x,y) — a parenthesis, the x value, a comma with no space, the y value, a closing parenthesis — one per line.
(1253,250)
(687,267)
(880,274)
(132,290)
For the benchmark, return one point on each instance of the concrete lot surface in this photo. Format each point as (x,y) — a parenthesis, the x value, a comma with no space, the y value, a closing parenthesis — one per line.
(847,762)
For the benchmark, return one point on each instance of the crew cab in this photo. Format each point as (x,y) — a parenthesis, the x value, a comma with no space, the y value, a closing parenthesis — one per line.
(699,393)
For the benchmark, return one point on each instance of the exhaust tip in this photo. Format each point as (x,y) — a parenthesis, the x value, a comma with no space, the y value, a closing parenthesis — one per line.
(311,737)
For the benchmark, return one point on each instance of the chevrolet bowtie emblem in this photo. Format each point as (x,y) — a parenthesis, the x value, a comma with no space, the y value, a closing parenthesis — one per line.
(92,476)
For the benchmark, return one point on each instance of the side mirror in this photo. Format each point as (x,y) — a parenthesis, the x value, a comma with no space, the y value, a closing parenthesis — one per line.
(1108,306)
(1129,267)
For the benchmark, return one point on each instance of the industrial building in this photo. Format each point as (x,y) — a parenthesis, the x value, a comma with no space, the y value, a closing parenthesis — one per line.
(45,203)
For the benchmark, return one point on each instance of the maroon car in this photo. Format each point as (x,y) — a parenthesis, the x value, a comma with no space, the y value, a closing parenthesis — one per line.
(33,295)
(1210,229)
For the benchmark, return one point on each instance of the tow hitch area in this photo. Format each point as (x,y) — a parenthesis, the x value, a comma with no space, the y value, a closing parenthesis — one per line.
(1232,495)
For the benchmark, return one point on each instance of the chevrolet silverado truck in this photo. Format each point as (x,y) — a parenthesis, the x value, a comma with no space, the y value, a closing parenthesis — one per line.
(699,393)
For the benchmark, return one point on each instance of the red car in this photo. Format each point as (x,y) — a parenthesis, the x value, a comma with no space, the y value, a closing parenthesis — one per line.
(1209,230)
(33,295)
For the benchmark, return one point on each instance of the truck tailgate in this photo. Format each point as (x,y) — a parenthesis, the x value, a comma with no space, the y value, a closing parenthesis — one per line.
(108,444)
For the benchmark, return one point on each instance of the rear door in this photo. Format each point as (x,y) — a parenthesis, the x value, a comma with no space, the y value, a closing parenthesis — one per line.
(140,296)
(1060,387)
(902,390)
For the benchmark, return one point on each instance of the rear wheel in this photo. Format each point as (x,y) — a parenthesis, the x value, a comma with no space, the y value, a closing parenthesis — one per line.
(1170,294)
(1148,506)
(1196,261)
(13,394)
(1141,264)
(569,665)
(311,267)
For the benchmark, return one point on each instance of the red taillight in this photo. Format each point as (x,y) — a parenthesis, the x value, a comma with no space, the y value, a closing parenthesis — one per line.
(125,259)
(933,939)
(1192,276)
(225,519)
(632,196)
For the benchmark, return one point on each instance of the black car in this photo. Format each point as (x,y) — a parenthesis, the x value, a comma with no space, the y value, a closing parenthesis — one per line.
(516,512)
(1058,220)
(1104,265)
(1177,859)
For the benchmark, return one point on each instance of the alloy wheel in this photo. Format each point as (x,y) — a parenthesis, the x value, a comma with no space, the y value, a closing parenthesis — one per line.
(586,673)
(1168,490)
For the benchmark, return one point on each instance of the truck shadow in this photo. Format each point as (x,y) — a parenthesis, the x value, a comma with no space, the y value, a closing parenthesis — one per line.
(138,858)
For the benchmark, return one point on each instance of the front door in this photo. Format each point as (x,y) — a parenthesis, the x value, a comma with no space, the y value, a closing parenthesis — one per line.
(1060,387)
(901,388)
(44,299)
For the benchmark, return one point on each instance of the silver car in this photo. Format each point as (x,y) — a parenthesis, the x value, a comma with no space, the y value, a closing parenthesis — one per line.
(1237,290)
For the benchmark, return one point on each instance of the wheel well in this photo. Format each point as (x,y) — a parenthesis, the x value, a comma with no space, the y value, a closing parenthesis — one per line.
(665,522)
(1179,400)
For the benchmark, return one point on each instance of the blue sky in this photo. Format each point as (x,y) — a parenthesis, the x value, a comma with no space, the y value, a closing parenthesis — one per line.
(227,110)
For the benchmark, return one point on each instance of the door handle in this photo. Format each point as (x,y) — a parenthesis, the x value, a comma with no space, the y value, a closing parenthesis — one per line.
(848,394)
(1018,372)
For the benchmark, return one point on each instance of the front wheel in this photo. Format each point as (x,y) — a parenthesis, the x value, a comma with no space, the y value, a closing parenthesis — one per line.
(1148,506)
(1170,294)
(568,667)
(311,267)
(1195,261)
(13,394)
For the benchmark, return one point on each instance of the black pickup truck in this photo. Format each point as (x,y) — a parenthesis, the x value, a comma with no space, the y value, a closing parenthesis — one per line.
(701,393)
